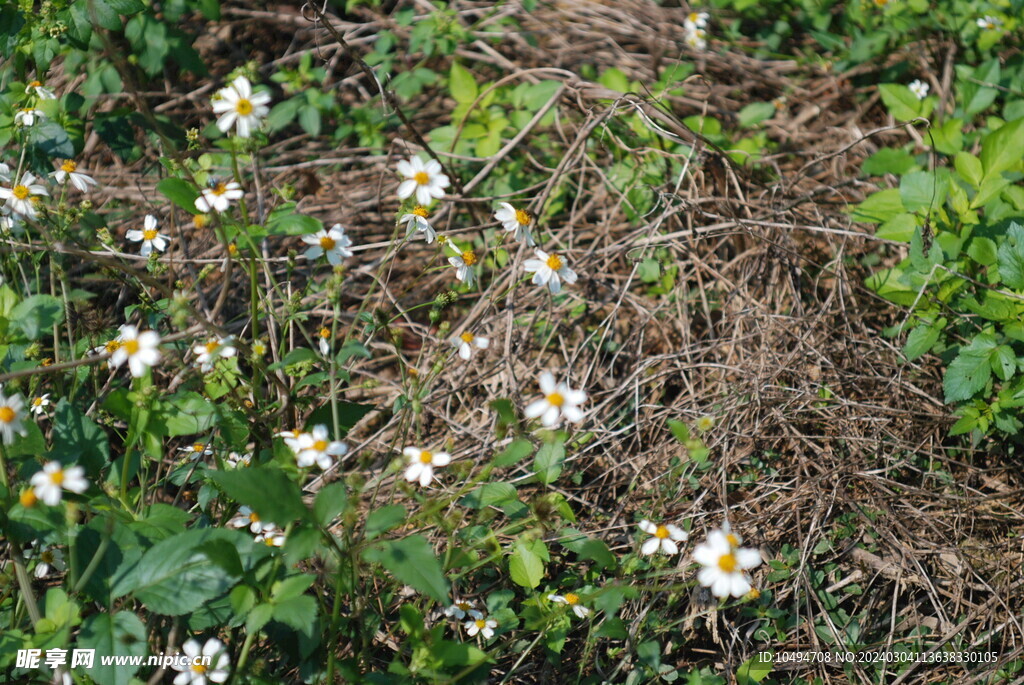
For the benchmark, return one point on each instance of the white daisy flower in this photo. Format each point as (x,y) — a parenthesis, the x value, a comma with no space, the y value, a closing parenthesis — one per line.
(559,401)
(69,171)
(50,483)
(197,450)
(416,220)
(21,198)
(209,352)
(50,559)
(463,264)
(664,540)
(193,672)
(317,448)
(324,336)
(236,460)
(461,610)
(292,438)
(150,237)
(36,88)
(919,88)
(725,564)
(990,23)
(39,404)
(270,536)
(549,270)
(696,20)
(140,350)
(425,180)
(333,243)
(422,464)
(247,518)
(467,341)
(27,116)
(11,416)
(517,221)
(218,197)
(696,39)
(238,106)
(481,625)
(573,600)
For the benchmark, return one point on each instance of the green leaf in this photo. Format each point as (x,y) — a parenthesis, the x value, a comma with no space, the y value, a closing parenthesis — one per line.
(513,453)
(411,561)
(176,577)
(126,7)
(76,438)
(899,228)
(593,549)
(490,494)
(889,161)
(36,315)
(755,113)
(268,491)
(117,634)
(921,190)
(1003,148)
(180,192)
(187,413)
(753,671)
(309,120)
(921,339)
(970,371)
(296,612)
(680,431)
(525,567)
(462,84)
(900,100)
(548,462)
(284,221)
(1011,257)
(331,500)
(879,207)
(384,519)
(1004,362)
(969,167)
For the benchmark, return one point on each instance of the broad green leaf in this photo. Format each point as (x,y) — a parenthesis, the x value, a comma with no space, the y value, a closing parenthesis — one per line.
(298,613)
(753,671)
(1003,148)
(411,561)
(899,228)
(462,84)
(525,567)
(384,519)
(290,223)
(1004,362)
(879,207)
(118,634)
(76,438)
(970,371)
(180,192)
(921,190)
(513,453)
(889,161)
(1011,257)
(176,577)
(920,340)
(969,167)
(36,315)
(983,251)
(490,494)
(594,549)
(900,100)
(268,491)
(754,113)
(331,500)
(548,462)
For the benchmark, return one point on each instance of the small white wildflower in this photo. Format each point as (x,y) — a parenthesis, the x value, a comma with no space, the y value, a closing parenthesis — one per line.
(270,536)
(11,416)
(516,221)
(573,600)
(50,483)
(725,564)
(317,448)
(193,672)
(150,237)
(559,401)
(50,559)
(919,88)
(422,464)
(140,350)
(36,88)
(461,610)
(416,220)
(27,116)
(236,460)
(218,197)
(463,264)
(990,23)
(467,341)
(69,171)
(695,20)
(197,450)
(209,352)
(549,270)
(39,404)
(333,243)
(247,518)
(481,625)
(425,180)
(21,198)
(664,540)
(240,107)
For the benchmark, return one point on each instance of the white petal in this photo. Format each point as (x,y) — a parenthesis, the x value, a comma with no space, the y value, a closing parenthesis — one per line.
(748,558)
(535,409)
(650,546)
(441,459)
(668,547)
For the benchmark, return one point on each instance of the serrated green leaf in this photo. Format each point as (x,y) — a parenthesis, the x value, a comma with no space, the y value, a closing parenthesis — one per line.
(1011,257)
(462,84)
(384,519)
(180,192)
(411,561)
(1004,362)
(525,567)
(900,100)
(513,453)
(547,464)
(970,371)
(921,339)
(1003,148)
(36,315)
(118,634)
(268,491)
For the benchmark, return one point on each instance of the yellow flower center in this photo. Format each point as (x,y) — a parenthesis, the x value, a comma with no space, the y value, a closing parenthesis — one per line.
(199,220)
(20,192)
(320,445)
(554,262)
(426,457)
(46,361)
(480,623)
(253,517)
(523,217)
(27,498)
(46,557)
(327,242)
(210,347)
(243,107)
(661,533)
(68,166)
(571,598)
(198,668)
(469,258)
(149,234)
(325,332)
(464,606)
(269,540)
(6,414)
(112,346)
(420,211)
(556,399)
(37,402)
(198,447)
(694,17)
(57,477)
(219,189)
(467,337)
(732,539)
(422,178)
(232,249)
(132,346)
(727,562)
(35,84)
